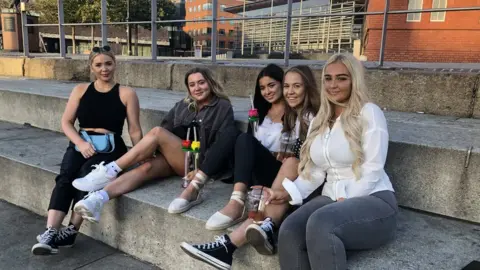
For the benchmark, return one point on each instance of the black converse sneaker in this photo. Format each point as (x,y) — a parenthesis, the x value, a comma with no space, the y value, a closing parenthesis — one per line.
(66,236)
(46,244)
(262,237)
(218,254)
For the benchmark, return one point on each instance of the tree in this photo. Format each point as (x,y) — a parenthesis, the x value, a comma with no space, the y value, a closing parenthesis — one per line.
(75,11)
(139,11)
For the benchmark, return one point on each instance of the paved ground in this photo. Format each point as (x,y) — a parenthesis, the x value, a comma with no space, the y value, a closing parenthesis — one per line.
(18,228)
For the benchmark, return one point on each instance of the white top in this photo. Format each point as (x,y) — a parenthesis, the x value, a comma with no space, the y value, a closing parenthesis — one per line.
(332,156)
(269,133)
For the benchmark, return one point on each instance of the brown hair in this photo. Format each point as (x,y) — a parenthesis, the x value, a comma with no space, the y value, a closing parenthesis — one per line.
(311,102)
(215,87)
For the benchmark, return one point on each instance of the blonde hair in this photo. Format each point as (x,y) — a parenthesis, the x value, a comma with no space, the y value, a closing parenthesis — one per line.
(215,87)
(95,54)
(352,123)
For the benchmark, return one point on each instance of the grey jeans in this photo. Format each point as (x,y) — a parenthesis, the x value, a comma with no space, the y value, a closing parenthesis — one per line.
(317,235)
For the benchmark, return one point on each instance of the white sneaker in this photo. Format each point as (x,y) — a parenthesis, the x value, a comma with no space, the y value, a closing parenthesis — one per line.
(95,180)
(90,208)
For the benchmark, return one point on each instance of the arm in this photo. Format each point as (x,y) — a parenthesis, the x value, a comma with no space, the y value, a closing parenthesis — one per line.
(375,148)
(133,115)
(68,119)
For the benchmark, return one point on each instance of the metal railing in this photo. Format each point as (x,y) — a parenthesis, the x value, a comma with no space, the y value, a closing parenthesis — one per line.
(289,16)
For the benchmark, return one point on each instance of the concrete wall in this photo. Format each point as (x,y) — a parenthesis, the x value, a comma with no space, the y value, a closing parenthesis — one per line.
(409,91)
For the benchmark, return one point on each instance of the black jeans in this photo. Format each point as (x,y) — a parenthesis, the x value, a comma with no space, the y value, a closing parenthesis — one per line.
(73,166)
(220,153)
(254,164)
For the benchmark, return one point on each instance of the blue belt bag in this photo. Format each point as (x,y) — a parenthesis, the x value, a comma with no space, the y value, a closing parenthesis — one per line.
(104,143)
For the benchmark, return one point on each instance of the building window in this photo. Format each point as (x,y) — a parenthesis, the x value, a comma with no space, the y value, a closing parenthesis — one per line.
(222,18)
(223,7)
(231,32)
(194,9)
(190,9)
(199,8)
(438,16)
(230,45)
(221,44)
(209,30)
(414,4)
(221,32)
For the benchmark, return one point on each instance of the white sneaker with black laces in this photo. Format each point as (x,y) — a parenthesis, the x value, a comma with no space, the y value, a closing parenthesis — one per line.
(46,244)
(262,237)
(216,254)
(90,208)
(95,180)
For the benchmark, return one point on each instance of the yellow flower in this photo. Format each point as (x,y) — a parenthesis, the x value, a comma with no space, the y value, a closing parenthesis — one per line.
(195,145)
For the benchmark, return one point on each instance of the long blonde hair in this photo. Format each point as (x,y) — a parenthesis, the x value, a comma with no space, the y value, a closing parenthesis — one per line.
(350,117)
(215,87)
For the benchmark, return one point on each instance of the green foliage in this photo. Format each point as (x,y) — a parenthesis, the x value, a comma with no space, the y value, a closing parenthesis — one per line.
(83,11)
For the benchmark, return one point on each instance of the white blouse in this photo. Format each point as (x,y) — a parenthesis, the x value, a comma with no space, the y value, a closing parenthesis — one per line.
(332,157)
(268,134)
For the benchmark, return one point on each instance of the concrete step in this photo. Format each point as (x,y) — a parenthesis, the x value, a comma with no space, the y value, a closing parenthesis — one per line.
(433,161)
(138,223)
(430,91)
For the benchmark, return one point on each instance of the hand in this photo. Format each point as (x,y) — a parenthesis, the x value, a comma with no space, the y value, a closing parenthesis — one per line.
(341,199)
(278,196)
(281,156)
(87,149)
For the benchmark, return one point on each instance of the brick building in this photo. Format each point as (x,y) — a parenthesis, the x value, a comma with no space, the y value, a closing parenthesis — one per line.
(200,32)
(425,37)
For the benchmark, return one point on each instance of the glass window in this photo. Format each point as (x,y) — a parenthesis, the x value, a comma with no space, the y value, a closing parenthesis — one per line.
(438,16)
(414,4)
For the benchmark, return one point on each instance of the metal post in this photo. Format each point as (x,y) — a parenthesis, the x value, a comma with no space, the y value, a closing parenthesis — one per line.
(154,29)
(299,26)
(328,29)
(104,23)
(286,56)
(24,29)
(213,48)
(384,32)
(61,28)
(340,32)
(270,35)
(243,26)
(129,30)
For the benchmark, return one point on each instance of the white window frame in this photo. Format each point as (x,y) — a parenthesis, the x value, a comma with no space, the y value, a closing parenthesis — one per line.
(414,4)
(438,16)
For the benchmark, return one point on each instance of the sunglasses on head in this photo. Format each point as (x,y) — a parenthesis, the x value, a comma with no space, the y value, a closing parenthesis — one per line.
(105,48)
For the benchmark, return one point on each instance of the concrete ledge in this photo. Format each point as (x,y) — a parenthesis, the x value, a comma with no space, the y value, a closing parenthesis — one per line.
(426,156)
(409,91)
(138,223)
(57,69)
(11,66)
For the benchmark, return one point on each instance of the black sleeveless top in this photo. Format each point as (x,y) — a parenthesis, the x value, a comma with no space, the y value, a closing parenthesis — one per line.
(102,110)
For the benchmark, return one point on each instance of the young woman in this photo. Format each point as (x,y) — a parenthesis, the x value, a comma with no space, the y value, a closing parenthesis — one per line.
(207,107)
(255,153)
(347,144)
(101,108)
(302,96)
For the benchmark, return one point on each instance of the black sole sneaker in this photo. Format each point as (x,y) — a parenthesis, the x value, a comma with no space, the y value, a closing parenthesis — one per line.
(257,237)
(43,249)
(202,256)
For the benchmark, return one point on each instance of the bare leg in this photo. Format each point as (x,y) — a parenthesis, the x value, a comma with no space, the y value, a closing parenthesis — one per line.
(158,138)
(55,218)
(234,209)
(76,220)
(131,180)
(274,211)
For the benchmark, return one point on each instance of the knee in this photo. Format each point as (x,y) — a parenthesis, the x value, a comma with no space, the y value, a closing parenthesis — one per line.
(156,132)
(319,226)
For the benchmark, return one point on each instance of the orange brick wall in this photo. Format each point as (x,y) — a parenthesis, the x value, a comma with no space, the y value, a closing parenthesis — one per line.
(456,40)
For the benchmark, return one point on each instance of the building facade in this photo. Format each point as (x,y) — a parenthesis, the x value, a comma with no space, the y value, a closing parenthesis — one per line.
(452,37)
(200,32)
